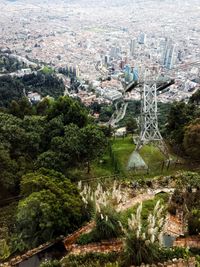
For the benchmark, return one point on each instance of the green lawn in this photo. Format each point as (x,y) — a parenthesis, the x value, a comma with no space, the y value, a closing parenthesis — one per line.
(123,147)
(152,156)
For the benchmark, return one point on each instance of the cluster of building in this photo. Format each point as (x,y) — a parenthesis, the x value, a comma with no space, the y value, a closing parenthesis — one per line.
(119,42)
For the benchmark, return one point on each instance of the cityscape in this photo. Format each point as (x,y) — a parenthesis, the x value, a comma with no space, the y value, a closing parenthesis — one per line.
(100,133)
(115,39)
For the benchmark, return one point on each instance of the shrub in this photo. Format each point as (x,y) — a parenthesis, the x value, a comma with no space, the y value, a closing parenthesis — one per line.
(91,260)
(50,263)
(172,208)
(85,239)
(142,244)
(107,224)
(194,222)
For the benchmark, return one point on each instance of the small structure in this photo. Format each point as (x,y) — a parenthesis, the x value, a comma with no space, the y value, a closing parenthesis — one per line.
(120,132)
(34,97)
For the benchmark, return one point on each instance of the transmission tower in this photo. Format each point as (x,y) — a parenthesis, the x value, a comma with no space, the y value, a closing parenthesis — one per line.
(149,131)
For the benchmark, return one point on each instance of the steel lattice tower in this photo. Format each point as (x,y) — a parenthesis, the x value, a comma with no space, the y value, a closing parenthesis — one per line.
(149,131)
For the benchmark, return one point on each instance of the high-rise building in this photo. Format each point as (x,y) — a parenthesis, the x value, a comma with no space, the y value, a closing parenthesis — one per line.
(132,47)
(127,73)
(107,59)
(169,54)
(114,51)
(142,38)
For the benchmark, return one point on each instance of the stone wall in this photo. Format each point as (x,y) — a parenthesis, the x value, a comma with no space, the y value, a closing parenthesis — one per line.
(114,245)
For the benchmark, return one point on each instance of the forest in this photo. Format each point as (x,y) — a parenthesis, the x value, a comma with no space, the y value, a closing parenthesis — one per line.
(14,88)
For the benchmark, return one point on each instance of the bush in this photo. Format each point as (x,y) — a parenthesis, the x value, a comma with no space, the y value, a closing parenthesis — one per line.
(50,263)
(138,251)
(107,224)
(194,222)
(172,208)
(91,260)
(172,253)
(85,239)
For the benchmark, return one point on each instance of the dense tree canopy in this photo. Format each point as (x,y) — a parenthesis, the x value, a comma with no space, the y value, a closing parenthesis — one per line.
(177,129)
(192,139)
(52,206)
(13,88)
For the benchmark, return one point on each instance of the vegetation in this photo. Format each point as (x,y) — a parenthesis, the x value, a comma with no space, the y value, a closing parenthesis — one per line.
(13,88)
(91,260)
(180,123)
(46,147)
(147,207)
(187,199)
(52,206)
(35,161)
(191,141)
(10,64)
(50,263)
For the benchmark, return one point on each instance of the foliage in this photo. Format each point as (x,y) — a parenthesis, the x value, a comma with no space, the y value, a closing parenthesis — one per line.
(93,143)
(106,205)
(85,239)
(91,259)
(179,116)
(13,88)
(191,140)
(8,170)
(186,179)
(71,111)
(10,64)
(138,252)
(105,112)
(50,263)
(52,206)
(194,222)
(179,123)
(142,243)
(107,225)
(195,98)
(4,250)
(47,70)
(131,125)
(174,253)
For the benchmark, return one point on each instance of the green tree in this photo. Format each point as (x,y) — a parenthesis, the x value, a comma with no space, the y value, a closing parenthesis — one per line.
(191,140)
(179,116)
(194,222)
(93,143)
(43,106)
(21,108)
(195,98)
(52,207)
(8,170)
(131,125)
(71,111)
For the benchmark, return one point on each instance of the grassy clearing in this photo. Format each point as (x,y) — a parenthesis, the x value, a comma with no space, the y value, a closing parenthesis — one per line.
(152,155)
(122,149)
